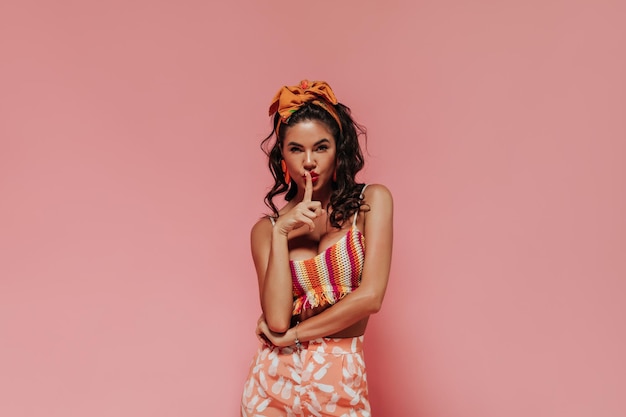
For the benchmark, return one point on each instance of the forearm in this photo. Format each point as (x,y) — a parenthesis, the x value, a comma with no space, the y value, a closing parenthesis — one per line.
(277,293)
(351,309)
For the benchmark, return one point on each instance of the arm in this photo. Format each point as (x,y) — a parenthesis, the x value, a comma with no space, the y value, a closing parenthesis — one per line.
(270,253)
(368,298)
(271,259)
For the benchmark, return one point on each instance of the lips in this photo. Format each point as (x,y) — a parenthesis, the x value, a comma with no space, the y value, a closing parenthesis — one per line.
(314,176)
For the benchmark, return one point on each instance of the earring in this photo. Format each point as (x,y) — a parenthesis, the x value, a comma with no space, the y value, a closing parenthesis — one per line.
(283,165)
(335,176)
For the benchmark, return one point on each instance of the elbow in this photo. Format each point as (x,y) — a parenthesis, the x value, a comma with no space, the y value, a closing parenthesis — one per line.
(375,307)
(277,317)
(278,324)
(374,303)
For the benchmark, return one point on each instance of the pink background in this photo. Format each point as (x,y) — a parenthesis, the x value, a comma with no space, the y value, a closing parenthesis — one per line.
(130,176)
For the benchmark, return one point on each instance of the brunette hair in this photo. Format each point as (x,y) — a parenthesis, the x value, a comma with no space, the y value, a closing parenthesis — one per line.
(345,198)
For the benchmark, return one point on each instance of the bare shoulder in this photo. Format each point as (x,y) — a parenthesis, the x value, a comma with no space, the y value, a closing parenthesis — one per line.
(378,223)
(377,195)
(262,228)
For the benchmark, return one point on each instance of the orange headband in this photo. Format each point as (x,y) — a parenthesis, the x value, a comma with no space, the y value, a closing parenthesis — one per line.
(289,99)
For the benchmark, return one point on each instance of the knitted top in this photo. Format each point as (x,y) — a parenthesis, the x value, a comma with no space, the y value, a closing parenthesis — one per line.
(331,275)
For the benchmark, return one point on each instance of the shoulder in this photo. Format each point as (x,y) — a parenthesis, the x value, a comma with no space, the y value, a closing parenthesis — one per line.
(378,204)
(378,217)
(262,228)
(377,195)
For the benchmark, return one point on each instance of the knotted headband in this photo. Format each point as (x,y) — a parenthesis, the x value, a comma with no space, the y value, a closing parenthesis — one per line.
(289,99)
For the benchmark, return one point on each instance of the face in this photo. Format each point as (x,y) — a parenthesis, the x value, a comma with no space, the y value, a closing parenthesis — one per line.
(310,146)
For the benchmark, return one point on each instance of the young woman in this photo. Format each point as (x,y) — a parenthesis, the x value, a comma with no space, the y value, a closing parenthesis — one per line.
(322,262)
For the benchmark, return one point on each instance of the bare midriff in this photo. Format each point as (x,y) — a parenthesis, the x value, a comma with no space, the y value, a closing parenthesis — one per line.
(356,329)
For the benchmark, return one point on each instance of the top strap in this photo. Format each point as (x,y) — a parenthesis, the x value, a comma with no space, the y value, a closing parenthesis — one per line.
(361,198)
(272,220)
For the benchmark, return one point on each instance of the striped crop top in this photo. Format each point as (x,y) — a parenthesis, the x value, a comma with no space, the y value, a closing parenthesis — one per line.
(329,276)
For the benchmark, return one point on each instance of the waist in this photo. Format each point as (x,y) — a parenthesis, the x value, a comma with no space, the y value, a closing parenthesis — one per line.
(336,346)
(355,330)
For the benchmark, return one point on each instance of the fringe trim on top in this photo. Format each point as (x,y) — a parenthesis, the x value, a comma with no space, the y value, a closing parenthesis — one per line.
(313,299)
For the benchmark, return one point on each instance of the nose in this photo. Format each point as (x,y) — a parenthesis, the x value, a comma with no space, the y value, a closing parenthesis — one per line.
(309,161)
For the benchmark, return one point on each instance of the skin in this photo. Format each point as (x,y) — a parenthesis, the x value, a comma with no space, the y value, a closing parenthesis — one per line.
(302,230)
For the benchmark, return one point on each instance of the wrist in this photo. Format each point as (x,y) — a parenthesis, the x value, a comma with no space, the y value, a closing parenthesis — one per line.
(278,233)
(296,340)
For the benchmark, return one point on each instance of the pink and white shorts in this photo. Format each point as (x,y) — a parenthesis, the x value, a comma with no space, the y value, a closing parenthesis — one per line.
(325,378)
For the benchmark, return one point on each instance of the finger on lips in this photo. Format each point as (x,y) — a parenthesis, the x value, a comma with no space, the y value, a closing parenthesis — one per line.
(308,186)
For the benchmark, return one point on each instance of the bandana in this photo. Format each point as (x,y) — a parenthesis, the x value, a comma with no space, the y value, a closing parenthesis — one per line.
(289,99)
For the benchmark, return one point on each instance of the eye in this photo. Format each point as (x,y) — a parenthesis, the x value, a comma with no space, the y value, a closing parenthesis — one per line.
(322,148)
(294,149)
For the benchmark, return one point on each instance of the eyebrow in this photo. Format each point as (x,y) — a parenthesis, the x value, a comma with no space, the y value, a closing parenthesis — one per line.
(319,142)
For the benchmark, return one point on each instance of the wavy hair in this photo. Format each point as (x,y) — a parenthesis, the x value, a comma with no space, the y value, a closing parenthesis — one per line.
(345,198)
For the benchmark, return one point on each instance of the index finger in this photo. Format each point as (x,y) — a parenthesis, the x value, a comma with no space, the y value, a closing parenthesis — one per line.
(308,187)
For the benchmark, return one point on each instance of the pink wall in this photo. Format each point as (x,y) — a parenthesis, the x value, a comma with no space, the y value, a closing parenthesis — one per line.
(130,176)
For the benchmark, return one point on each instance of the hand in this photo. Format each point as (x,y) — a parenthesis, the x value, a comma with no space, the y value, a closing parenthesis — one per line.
(304,212)
(260,331)
(270,338)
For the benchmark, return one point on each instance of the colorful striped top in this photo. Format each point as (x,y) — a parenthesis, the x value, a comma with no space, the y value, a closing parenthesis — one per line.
(331,275)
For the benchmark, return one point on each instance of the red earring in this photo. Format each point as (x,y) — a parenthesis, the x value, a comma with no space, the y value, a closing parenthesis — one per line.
(335,176)
(283,165)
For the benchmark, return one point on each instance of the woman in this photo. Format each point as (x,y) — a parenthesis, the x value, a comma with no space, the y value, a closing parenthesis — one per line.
(317,283)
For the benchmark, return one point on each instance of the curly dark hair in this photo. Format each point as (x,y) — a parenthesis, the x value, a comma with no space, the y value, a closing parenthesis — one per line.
(345,198)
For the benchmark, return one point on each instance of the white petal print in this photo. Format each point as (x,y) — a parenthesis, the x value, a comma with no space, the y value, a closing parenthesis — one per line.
(313,411)
(350,364)
(273,369)
(318,357)
(289,412)
(332,404)
(278,385)
(325,387)
(321,372)
(359,359)
(247,390)
(295,376)
(356,399)
(253,401)
(348,390)
(306,374)
(262,380)
(345,373)
(286,392)
(311,383)
(297,407)
(314,401)
(261,407)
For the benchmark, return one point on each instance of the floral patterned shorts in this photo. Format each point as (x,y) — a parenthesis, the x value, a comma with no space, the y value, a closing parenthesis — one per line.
(326,378)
